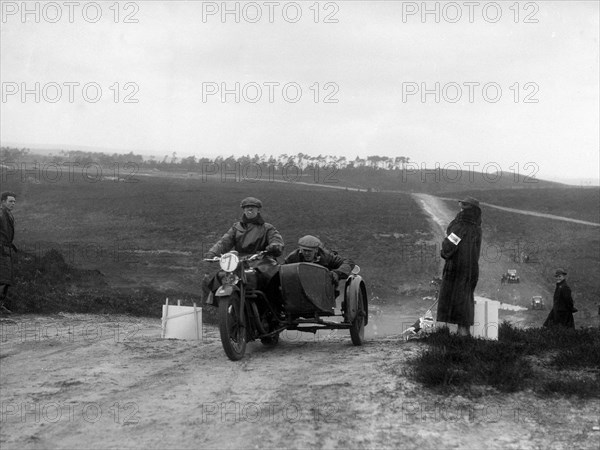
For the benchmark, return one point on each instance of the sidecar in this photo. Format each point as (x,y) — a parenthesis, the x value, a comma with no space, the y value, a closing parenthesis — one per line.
(309,300)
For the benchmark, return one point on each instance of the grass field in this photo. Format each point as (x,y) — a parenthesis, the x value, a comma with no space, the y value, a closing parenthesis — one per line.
(149,236)
(550,244)
(152,234)
(582,203)
(440,180)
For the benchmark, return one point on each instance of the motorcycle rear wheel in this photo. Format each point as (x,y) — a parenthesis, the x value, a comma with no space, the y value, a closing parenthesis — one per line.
(233,333)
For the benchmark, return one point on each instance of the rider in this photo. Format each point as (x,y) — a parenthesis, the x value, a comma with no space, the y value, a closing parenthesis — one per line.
(248,236)
(310,249)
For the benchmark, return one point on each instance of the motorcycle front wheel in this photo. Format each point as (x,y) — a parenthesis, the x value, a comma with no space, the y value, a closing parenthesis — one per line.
(233,333)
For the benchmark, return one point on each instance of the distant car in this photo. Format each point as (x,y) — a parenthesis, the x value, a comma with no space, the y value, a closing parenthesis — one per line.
(512,277)
(537,302)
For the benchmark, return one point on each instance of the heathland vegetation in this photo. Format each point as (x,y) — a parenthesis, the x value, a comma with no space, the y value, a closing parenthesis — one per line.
(147,229)
(121,241)
(545,361)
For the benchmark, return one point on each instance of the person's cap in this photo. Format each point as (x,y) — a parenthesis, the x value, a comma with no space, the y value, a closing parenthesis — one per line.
(559,272)
(470,201)
(251,201)
(309,242)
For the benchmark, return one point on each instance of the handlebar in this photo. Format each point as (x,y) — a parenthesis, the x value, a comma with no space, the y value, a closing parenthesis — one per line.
(255,256)
(242,258)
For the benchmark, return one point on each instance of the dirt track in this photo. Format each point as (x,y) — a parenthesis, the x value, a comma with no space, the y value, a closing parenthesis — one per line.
(74,381)
(522,211)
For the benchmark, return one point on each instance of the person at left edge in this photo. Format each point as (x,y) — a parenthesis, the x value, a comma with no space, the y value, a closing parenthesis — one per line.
(7,248)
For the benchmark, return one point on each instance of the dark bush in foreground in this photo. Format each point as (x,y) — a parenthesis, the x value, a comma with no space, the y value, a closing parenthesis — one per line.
(509,364)
(585,388)
(572,348)
(48,284)
(454,361)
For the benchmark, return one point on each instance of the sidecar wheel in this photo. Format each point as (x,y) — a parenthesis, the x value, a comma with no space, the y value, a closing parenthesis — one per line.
(233,333)
(357,328)
(270,341)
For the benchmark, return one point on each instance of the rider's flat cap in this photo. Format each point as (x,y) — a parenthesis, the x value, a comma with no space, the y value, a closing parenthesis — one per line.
(251,201)
(559,272)
(470,201)
(309,241)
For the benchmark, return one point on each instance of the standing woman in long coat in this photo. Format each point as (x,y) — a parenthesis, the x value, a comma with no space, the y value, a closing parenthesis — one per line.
(461,249)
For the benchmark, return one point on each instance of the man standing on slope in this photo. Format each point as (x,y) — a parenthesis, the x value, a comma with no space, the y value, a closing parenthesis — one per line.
(562,309)
(7,248)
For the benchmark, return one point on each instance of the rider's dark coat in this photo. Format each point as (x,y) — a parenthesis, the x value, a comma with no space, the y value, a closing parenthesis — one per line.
(562,309)
(325,258)
(461,270)
(248,237)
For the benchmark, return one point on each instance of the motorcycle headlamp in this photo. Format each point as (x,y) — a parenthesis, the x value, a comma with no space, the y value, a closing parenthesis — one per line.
(230,278)
(229,262)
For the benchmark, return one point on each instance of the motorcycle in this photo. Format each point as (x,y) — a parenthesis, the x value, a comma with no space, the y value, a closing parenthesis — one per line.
(259,302)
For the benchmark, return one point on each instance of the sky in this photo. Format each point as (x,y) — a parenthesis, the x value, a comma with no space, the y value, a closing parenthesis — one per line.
(510,86)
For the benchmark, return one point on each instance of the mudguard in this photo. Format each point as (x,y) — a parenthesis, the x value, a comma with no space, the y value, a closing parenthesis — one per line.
(355,290)
(226,290)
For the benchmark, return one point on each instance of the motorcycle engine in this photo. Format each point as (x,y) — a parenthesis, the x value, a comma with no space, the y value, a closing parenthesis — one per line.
(251,279)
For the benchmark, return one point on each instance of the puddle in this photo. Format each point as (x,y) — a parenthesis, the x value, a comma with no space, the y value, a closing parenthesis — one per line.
(388,320)
(509,307)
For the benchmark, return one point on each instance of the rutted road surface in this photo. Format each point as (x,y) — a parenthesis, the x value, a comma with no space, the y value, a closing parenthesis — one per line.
(83,381)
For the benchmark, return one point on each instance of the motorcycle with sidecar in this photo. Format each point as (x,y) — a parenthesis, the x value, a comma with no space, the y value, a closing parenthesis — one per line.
(258,299)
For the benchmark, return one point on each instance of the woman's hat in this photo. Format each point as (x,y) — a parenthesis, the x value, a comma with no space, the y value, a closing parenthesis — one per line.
(470,201)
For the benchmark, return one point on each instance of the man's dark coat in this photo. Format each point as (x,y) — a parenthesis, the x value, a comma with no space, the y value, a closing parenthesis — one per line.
(562,309)
(7,248)
(248,237)
(325,258)
(461,270)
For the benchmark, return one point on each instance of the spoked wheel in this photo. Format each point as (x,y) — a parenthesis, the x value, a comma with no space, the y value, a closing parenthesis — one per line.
(233,333)
(357,329)
(270,341)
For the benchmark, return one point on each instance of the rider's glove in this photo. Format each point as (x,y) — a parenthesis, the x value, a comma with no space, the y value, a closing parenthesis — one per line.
(210,255)
(274,249)
(335,277)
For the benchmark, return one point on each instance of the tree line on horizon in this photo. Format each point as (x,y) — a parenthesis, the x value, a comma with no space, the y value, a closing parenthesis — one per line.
(172,161)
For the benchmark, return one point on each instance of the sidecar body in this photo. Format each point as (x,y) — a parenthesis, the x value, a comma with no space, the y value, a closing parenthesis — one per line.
(306,288)
(308,295)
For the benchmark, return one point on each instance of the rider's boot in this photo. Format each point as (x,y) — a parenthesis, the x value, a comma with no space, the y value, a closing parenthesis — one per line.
(4,303)
(207,295)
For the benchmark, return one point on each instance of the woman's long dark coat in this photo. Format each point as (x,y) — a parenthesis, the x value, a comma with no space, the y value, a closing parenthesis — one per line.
(461,270)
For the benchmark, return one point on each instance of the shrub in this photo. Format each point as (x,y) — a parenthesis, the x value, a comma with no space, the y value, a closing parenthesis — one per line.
(456,363)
